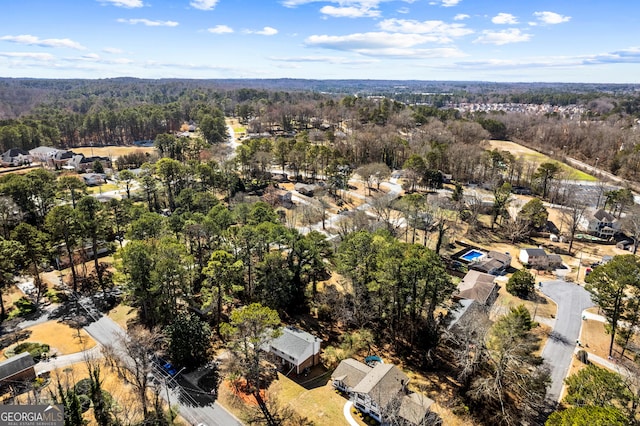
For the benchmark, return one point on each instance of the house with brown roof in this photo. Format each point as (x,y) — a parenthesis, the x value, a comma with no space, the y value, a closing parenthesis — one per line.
(494,263)
(348,374)
(478,286)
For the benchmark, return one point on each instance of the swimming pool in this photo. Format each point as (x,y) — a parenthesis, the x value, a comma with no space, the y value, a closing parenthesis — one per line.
(472,255)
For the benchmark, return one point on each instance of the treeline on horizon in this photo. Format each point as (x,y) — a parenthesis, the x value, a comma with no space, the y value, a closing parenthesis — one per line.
(390,120)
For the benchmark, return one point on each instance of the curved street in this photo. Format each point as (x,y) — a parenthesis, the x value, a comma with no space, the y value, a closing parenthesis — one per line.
(571,300)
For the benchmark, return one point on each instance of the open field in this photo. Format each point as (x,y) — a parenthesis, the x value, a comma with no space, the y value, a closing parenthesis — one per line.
(537,157)
(112,152)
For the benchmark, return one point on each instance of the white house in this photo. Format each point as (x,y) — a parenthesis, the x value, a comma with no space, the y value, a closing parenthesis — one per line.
(537,258)
(603,224)
(534,257)
(43,153)
(295,349)
(15,157)
(372,389)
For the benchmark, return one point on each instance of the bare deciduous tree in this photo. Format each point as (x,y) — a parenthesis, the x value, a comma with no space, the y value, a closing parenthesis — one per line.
(572,215)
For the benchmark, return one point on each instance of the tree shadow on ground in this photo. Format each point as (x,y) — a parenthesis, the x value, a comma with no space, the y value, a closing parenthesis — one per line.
(14,337)
(559,338)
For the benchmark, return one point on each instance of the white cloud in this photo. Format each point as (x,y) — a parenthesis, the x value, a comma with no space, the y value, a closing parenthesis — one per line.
(384,44)
(450,3)
(551,18)
(130,4)
(461,17)
(504,18)
(403,10)
(266,31)
(47,42)
(148,22)
(360,4)
(28,55)
(512,35)
(440,29)
(113,50)
(220,29)
(350,12)
(325,59)
(204,4)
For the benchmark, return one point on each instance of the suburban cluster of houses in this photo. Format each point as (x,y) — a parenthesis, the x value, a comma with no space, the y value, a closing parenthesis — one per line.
(58,159)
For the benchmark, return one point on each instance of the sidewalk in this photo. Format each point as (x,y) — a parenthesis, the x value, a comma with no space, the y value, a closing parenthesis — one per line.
(66,360)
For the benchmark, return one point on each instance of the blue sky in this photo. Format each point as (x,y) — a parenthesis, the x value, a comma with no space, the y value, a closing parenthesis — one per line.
(488,40)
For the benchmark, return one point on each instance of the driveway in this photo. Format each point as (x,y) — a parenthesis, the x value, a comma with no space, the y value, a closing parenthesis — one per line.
(571,299)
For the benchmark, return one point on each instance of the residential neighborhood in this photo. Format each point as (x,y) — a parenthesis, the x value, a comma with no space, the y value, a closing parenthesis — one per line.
(242,270)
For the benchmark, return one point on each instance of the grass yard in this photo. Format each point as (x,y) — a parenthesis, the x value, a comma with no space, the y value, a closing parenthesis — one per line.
(542,306)
(102,188)
(537,157)
(321,405)
(10,295)
(112,152)
(61,338)
(122,314)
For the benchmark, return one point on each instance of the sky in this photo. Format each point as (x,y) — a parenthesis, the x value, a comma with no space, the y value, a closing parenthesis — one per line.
(582,41)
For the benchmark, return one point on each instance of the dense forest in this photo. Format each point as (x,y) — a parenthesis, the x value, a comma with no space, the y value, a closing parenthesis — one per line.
(363,121)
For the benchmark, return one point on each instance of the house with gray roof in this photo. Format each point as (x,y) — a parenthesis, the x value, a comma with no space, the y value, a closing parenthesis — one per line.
(18,368)
(348,374)
(603,224)
(414,408)
(537,258)
(373,390)
(295,349)
(15,157)
(43,153)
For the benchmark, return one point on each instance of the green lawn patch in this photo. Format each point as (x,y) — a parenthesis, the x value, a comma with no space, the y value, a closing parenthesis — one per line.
(103,188)
(36,350)
(23,307)
(520,151)
(321,405)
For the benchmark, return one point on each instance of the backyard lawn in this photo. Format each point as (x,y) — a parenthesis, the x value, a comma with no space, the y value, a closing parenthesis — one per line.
(322,405)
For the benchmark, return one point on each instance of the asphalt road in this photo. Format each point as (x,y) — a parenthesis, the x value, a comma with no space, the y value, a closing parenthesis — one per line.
(571,299)
(106,331)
